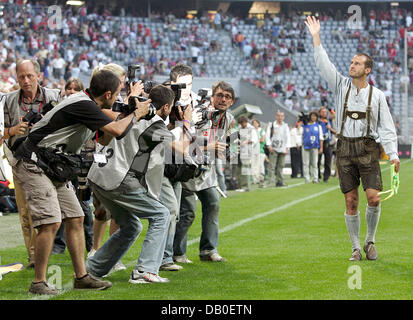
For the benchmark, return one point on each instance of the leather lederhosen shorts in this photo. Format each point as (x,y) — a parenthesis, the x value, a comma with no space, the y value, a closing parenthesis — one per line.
(358,159)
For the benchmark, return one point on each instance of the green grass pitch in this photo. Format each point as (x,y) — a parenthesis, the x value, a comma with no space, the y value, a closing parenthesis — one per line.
(281,243)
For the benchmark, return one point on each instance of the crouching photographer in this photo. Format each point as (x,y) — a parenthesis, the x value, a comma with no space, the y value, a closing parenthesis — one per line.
(48,160)
(209,136)
(129,184)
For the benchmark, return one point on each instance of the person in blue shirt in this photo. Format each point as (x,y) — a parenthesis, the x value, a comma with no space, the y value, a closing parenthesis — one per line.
(312,147)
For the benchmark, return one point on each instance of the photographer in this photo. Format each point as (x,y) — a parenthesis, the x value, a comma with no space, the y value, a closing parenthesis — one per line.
(129,185)
(176,171)
(47,163)
(181,77)
(210,132)
(312,147)
(328,132)
(29,99)
(102,215)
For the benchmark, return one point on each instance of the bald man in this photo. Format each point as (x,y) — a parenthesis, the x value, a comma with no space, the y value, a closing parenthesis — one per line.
(30,97)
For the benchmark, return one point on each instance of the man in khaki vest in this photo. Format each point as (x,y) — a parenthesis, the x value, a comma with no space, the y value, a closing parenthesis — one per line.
(30,97)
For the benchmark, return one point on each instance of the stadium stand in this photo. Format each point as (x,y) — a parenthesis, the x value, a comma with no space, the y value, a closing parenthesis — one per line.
(274,54)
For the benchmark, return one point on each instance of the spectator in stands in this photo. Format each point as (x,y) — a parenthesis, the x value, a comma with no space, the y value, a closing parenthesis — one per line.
(218,20)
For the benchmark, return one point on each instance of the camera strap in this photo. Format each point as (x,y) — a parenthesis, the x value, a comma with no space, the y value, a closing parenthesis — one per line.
(43,102)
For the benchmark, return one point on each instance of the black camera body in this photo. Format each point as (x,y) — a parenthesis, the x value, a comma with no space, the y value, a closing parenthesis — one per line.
(177,89)
(130,107)
(202,106)
(148,85)
(152,109)
(304,117)
(32,117)
(132,78)
(83,191)
(127,109)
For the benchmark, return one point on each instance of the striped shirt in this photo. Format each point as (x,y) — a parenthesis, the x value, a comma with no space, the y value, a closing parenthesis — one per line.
(382,127)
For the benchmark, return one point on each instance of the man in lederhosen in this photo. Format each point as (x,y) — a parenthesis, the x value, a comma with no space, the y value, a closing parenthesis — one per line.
(363,119)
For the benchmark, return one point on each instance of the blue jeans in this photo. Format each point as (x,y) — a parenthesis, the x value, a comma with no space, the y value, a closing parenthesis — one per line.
(171,198)
(210,221)
(127,208)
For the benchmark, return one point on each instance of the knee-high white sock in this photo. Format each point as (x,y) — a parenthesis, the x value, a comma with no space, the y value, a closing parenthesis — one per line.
(353,227)
(372,218)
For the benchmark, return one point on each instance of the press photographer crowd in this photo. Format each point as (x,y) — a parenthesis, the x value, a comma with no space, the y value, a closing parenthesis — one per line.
(122,148)
(171,145)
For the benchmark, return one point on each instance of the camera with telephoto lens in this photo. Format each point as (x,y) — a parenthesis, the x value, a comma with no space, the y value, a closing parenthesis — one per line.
(203,108)
(127,109)
(83,191)
(132,78)
(177,89)
(130,107)
(148,85)
(304,117)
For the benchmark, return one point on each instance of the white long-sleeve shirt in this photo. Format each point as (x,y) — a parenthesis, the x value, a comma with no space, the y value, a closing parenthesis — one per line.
(382,127)
(280,139)
(296,137)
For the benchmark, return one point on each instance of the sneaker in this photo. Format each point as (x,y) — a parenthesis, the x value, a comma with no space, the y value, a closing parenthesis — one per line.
(91,253)
(240,190)
(370,250)
(215,257)
(91,282)
(145,277)
(119,266)
(42,288)
(181,259)
(356,255)
(170,267)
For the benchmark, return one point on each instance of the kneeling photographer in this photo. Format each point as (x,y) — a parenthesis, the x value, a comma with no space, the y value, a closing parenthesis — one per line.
(209,134)
(48,161)
(129,185)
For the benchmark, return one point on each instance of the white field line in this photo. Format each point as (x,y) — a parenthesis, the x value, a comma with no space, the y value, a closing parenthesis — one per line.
(266,213)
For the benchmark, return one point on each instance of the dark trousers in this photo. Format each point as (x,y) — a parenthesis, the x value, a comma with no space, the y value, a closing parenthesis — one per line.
(296,162)
(327,152)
